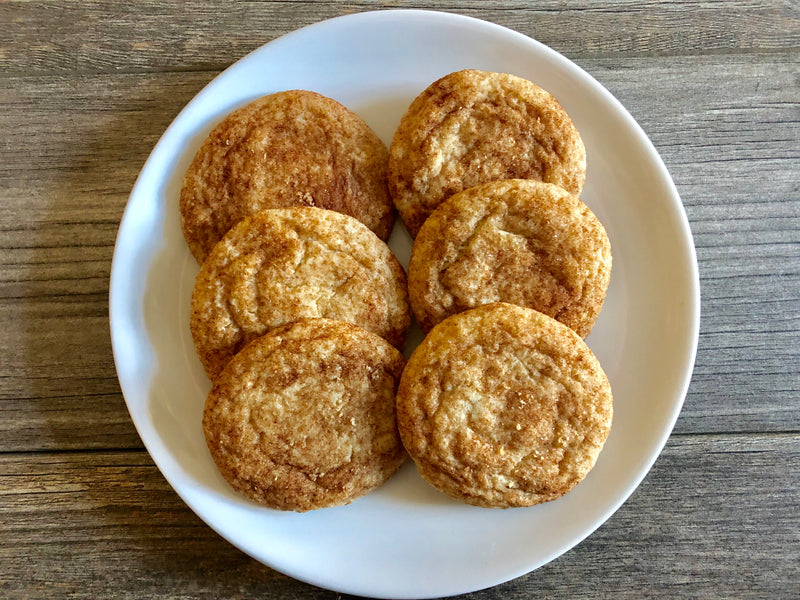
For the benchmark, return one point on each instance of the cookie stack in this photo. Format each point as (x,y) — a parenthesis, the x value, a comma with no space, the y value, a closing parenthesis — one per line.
(299,305)
(502,404)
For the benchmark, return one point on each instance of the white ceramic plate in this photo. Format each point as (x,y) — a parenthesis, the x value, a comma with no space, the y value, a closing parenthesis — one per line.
(406,540)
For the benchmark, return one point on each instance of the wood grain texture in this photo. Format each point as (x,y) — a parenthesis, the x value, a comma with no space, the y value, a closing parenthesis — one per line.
(60,37)
(87,88)
(728,127)
(715,518)
(72,149)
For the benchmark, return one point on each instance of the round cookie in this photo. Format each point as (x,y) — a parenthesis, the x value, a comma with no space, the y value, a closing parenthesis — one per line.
(518,241)
(280,265)
(293,148)
(472,127)
(503,406)
(303,417)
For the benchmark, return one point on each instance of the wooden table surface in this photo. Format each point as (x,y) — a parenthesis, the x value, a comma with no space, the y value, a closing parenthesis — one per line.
(87,88)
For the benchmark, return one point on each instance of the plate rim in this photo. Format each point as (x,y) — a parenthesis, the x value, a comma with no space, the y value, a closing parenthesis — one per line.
(676,206)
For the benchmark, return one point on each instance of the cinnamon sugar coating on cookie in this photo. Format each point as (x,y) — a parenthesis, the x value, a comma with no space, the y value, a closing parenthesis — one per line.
(293,148)
(517,241)
(472,127)
(303,418)
(502,406)
(281,265)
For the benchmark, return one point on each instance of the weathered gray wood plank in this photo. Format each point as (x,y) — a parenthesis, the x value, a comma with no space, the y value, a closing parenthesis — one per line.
(730,136)
(91,37)
(716,517)
(72,148)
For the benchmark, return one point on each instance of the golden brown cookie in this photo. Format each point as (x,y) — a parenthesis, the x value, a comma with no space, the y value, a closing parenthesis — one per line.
(472,127)
(503,406)
(284,264)
(304,418)
(518,241)
(294,148)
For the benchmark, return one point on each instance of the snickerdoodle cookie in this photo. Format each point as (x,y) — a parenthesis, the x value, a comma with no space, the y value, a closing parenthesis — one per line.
(472,127)
(293,148)
(518,241)
(503,406)
(303,417)
(280,265)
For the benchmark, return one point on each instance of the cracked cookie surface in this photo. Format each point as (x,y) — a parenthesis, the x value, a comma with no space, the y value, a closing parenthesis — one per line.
(471,127)
(502,406)
(304,417)
(293,148)
(517,241)
(281,265)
